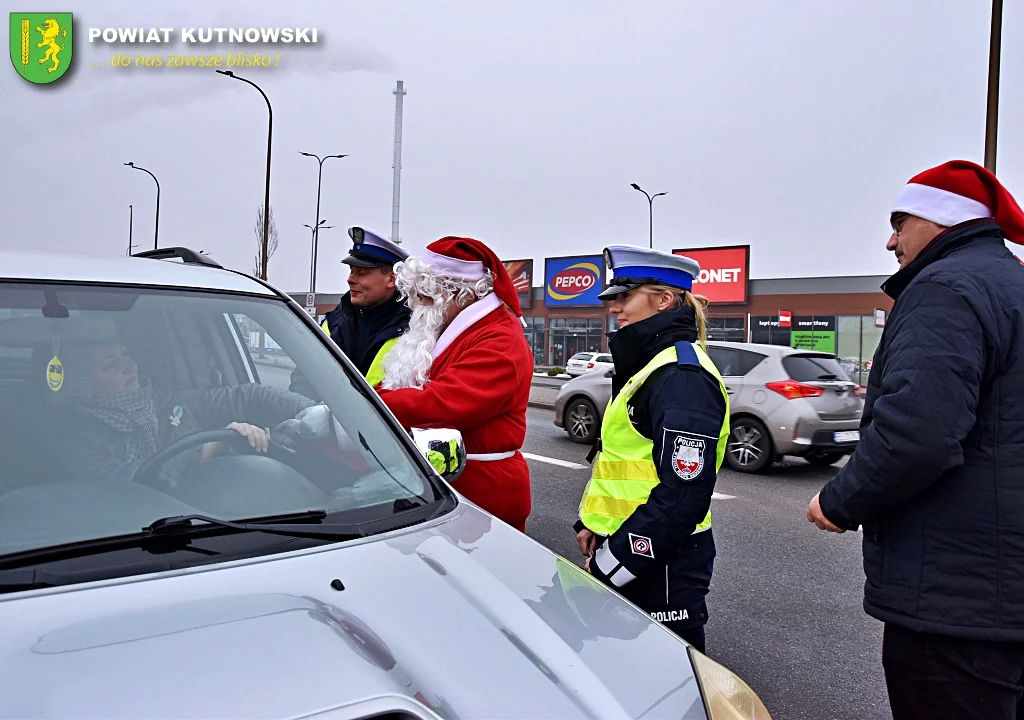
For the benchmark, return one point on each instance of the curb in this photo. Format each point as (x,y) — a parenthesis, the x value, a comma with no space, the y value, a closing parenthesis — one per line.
(540,405)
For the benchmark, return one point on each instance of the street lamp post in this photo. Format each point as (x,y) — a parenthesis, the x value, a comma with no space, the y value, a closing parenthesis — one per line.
(156,226)
(650,207)
(266,197)
(316,233)
(992,112)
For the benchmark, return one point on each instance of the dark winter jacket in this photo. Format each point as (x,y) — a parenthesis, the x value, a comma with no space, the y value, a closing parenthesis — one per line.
(678,399)
(937,481)
(360,333)
(93,451)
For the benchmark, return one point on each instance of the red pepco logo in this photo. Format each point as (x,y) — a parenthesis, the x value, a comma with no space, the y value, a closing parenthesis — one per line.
(574,281)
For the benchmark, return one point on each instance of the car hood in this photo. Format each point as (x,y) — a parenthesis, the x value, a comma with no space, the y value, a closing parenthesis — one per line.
(466,617)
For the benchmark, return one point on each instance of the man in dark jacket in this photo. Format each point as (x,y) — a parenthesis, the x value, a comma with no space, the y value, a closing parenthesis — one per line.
(937,481)
(370,317)
(114,420)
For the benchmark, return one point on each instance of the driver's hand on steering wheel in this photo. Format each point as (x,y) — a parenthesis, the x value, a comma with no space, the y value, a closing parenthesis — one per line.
(257,437)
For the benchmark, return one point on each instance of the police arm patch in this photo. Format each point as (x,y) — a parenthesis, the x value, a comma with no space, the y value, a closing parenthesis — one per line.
(688,452)
(641,545)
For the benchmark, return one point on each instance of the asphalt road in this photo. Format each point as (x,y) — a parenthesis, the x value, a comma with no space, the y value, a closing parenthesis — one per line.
(785,600)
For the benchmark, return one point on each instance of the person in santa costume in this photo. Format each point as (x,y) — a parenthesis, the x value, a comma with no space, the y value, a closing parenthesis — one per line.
(937,480)
(465,364)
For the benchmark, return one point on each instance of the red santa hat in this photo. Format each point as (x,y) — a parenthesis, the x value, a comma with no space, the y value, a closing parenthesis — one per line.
(958,191)
(469,260)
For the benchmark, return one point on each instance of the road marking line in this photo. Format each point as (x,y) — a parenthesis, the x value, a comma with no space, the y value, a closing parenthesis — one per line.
(554,461)
(720,496)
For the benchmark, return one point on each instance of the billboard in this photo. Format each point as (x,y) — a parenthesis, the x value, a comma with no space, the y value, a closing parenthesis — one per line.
(724,272)
(573,281)
(521,272)
(817,333)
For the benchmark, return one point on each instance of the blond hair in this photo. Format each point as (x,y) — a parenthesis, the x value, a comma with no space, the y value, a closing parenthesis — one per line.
(699,303)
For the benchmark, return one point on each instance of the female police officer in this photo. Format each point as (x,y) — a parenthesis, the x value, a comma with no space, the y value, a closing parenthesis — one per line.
(645,516)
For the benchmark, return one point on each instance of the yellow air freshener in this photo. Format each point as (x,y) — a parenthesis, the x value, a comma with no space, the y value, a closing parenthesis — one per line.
(55,374)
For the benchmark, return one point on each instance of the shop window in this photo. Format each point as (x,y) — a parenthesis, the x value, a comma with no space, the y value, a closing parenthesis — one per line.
(534,332)
(858,339)
(727,329)
(568,336)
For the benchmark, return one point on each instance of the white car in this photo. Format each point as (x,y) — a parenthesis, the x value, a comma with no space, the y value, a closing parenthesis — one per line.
(156,563)
(583,363)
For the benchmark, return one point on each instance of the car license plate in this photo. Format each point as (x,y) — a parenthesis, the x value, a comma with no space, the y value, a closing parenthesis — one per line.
(845,437)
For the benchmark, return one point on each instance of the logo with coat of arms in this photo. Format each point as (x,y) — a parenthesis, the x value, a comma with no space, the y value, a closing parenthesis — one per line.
(688,457)
(41,45)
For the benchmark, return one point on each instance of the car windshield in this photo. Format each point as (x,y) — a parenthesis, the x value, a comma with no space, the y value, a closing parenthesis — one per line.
(814,368)
(582,356)
(124,406)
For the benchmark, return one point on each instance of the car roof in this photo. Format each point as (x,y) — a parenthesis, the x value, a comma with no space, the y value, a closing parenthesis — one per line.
(69,267)
(766,349)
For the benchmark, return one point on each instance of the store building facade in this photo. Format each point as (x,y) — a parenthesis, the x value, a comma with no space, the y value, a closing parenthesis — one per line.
(841,315)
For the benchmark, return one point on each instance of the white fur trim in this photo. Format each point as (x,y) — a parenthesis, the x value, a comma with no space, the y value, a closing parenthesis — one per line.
(465,320)
(940,206)
(469,270)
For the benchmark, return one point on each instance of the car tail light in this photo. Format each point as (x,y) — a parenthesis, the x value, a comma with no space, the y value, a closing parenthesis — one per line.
(860,391)
(590,366)
(793,390)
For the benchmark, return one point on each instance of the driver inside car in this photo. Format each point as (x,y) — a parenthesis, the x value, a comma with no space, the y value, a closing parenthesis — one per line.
(113,419)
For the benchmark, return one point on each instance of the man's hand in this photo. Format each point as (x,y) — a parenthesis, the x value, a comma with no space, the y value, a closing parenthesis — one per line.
(587,541)
(586,565)
(258,439)
(816,516)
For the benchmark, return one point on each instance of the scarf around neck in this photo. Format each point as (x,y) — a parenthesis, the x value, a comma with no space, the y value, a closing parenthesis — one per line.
(132,414)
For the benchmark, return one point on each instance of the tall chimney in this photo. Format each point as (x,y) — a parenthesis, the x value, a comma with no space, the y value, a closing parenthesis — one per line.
(397,182)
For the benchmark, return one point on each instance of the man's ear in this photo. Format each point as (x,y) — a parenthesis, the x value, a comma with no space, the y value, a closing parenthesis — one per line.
(391,279)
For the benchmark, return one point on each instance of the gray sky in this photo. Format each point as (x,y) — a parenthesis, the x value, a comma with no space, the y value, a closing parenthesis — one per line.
(789,126)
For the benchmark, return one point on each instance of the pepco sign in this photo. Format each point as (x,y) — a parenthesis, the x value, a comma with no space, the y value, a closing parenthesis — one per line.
(723,272)
(573,281)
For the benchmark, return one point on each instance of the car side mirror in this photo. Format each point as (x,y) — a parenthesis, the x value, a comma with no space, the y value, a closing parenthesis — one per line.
(610,373)
(444,449)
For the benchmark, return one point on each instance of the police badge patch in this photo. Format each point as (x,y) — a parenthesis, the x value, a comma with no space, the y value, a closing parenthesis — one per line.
(688,457)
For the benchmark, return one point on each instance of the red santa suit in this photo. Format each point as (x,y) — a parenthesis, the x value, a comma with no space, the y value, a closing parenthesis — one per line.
(479,384)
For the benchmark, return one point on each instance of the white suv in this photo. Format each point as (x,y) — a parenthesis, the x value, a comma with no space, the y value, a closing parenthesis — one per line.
(183,536)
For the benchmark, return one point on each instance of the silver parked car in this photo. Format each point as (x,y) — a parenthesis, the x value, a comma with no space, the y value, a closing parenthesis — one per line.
(784,401)
(320,568)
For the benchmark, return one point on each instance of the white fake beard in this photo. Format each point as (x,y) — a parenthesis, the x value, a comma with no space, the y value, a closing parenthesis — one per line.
(408,363)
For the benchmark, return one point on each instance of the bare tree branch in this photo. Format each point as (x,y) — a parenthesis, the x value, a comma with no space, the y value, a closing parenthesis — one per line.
(274,238)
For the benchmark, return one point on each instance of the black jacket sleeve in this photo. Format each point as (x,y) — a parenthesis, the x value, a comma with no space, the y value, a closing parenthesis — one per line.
(931,378)
(260,405)
(686,411)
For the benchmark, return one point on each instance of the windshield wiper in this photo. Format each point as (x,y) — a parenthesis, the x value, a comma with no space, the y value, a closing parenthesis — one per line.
(181,525)
(167,535)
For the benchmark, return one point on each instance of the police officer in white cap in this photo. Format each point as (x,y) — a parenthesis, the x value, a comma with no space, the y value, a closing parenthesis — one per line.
(645,516)
(367,322)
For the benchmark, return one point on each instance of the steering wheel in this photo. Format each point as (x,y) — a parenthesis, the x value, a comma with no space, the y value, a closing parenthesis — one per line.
(149,467)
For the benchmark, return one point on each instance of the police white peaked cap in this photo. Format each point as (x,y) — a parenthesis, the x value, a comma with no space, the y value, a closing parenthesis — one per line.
(636,266)
(371,250)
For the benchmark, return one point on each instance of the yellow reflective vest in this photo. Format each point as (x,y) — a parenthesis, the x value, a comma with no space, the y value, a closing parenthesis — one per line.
(375,375)
(624,472)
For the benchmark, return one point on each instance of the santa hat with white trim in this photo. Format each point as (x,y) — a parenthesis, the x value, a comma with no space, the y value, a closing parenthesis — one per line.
(468,260)
(959,191)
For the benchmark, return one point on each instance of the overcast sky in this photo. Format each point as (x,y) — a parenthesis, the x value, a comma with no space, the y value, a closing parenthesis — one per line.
(789,126)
